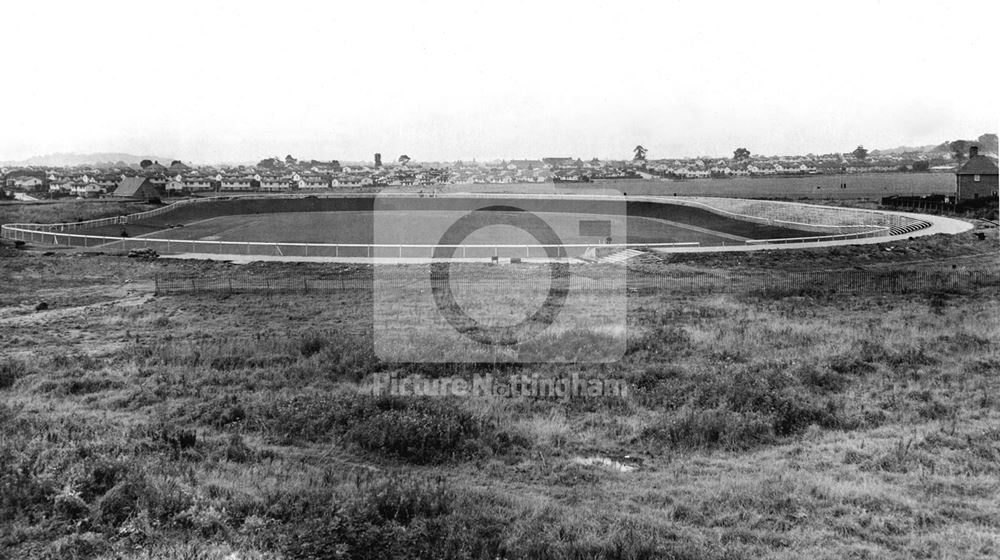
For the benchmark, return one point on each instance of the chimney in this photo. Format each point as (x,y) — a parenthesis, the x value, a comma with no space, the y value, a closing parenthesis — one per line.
(973,151)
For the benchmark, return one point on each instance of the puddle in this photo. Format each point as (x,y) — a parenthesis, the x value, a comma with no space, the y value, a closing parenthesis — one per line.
(608,463)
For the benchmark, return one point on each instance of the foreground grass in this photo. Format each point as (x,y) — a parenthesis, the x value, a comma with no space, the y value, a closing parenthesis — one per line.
(775,425)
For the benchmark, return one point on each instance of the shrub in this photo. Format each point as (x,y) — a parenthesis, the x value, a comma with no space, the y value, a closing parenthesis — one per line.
(24,497)
(418,434)
(10,371)
(420,430)
(663,341)
(79,545)
(122,501)
(719,427)
(103,476)
(311,345)
(237,450)
(384,518)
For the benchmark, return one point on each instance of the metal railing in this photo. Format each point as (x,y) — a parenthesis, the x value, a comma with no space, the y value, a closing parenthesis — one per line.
(56,234)
(326,250)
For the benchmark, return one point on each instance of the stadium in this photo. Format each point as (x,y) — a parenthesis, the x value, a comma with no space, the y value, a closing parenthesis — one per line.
(409,227)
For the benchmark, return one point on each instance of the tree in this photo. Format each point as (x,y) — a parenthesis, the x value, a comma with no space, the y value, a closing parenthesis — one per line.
(921,165)
(741,154)
(289,160)
(959,149)
(145,163)
(860,152)
(988,143)
(404,159)
(640,153)
(270,163)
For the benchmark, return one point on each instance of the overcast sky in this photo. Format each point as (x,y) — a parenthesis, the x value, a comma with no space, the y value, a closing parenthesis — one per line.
(207,82)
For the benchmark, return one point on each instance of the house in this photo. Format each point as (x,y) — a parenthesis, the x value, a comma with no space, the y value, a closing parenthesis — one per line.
(175,187)
(236,184)
(193,184)
(314,182)
(64,186)
(272,183)
(27,182)
(86,190)
(136,187)
(977,178)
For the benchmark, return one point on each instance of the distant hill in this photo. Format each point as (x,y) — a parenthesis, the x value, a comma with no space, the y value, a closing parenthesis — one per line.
(905,150)
(986,142)
(66,160)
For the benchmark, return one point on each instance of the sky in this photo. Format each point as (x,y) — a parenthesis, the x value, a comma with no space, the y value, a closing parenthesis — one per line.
(210,82)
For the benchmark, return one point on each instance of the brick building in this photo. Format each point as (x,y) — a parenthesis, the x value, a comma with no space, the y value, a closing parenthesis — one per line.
(977,178)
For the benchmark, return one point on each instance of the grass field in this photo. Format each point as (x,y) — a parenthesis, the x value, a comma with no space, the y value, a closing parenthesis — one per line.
(799,423)
(428,227)
(423,221)
(866,185)
(66,211)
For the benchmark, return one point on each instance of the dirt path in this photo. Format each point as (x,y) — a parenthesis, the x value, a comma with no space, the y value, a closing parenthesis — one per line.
(132,294)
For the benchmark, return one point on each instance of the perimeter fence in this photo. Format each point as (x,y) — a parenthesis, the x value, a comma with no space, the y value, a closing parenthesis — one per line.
(499,279)
(831,224)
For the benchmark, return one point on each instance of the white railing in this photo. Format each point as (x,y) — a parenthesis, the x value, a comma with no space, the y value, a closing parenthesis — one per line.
(55,234)
(334,250)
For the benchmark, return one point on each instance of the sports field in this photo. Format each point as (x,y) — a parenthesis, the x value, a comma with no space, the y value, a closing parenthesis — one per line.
(427,228)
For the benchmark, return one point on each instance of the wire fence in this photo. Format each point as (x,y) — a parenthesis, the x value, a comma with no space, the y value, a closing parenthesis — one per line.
(509,280)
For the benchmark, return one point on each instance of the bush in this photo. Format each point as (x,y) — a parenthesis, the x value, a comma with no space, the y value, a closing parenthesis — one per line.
(122,501)
(24,497)
(719,427)
(383,518)
(420,430)
(11,371)
(418,434)
(756,404)
(237,451)
(311,345)
(79,545)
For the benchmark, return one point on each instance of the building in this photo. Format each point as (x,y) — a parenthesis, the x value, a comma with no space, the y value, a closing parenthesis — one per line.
(196,184)
(136,187)
(26,182)
(236,184)
(977,178)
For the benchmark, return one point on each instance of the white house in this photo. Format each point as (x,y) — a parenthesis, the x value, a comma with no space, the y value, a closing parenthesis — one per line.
(274,184)
(195,184)
(27,182)
(236,184)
